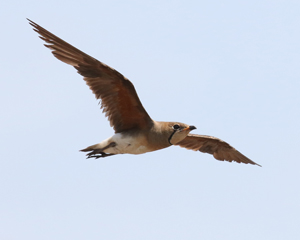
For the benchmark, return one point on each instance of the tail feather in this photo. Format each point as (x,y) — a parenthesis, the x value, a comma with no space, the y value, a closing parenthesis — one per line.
(90,148)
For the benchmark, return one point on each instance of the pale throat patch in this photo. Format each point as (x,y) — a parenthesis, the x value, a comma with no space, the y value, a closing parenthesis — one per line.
(176,137)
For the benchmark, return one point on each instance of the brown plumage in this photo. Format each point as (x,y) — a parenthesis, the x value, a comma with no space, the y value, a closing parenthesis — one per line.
(120,101)
(219,149)
(135,131)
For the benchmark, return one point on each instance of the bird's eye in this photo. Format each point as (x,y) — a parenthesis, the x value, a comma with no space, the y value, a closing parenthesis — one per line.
(176,127)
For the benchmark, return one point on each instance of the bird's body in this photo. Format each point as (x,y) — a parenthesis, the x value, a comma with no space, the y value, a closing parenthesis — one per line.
(137,142)
(121,143)
(135,131)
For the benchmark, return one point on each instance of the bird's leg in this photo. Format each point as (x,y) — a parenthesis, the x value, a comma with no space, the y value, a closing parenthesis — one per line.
(99,153)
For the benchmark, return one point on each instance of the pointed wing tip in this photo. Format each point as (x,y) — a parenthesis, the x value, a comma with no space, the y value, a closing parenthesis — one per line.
(250,162)
(32,23)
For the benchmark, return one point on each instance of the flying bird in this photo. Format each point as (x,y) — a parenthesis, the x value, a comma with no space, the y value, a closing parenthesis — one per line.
(135,131)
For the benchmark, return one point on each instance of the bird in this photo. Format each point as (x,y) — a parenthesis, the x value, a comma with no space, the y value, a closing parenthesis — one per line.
(135,131)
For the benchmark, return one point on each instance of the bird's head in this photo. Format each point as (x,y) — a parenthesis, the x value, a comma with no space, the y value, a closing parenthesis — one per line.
(178,131)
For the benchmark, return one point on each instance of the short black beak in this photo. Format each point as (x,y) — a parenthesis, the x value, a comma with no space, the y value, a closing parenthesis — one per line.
(192,127)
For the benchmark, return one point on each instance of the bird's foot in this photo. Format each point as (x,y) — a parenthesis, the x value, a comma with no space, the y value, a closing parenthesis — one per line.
(96,154)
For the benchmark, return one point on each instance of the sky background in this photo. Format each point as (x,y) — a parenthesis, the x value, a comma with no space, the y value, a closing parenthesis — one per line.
(231,68)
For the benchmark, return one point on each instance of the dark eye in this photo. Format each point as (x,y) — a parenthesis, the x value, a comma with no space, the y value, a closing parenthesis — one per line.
(176,127)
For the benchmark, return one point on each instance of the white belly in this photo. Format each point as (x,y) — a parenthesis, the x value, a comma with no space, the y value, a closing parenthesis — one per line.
(125,144)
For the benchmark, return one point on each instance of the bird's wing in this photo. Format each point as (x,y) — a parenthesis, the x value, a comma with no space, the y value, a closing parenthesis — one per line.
(119,99)
(219,149)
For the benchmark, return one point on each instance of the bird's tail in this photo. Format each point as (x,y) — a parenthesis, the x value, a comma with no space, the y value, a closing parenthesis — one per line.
(90,148)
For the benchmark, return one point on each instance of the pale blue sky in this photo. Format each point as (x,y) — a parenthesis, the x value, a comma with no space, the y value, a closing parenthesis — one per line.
(231,68)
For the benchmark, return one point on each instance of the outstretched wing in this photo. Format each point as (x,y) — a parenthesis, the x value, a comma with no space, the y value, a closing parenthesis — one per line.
(219,149)
(119,99)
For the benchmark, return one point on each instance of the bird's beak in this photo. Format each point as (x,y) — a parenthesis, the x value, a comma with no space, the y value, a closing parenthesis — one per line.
(190,128)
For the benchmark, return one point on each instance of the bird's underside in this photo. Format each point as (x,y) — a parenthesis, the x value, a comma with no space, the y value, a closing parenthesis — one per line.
(135,131)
